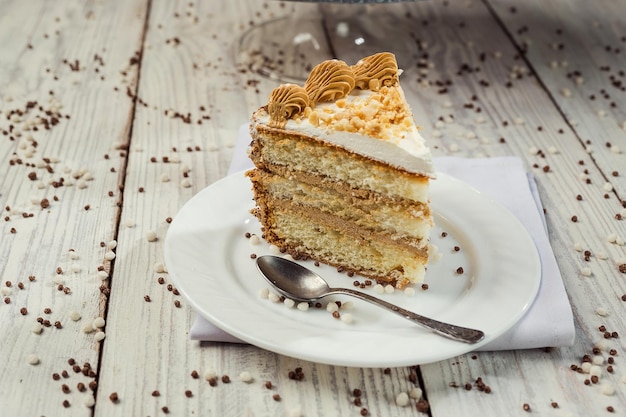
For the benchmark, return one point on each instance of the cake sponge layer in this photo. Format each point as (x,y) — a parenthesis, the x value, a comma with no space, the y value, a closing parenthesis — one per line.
(399,219)
(272,147)
(383,260)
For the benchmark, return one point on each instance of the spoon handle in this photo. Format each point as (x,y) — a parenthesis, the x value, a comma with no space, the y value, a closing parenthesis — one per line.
(452,331)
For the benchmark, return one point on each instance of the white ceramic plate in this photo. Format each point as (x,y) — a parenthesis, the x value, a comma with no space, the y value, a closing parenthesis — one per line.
(208,259)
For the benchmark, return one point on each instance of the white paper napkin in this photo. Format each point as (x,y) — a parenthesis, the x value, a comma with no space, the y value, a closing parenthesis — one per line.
(549,321)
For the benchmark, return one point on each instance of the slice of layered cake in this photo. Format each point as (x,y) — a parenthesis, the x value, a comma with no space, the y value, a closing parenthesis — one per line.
(342,173)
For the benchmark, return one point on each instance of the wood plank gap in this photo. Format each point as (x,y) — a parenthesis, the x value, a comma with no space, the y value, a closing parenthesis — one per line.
(544,87)
(422,385)
(122,181)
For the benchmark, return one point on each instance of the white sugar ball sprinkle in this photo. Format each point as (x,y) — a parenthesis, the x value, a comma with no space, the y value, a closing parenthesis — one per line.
(289,303)
(37,328)
(553,150)
(255,240)
(99,336)
(585,367)
(389,289)
(533,150)
(98,322)
(619,241)
(159,268)
(151,236)
(87,328)
(602,312)
(624,378)
(33,359)
(578,247)
(602,344)
(274,250)
(410,291)
(75,268)
(586,271)
(264,293)
(304,306)
(73,255)
(597,360)
(402,399)
(273,297)
(209,373)
(379,289)
(602,255)
(103,275)
(112,244)
(58,279)
(246,377)
(129,223)
(332,307)
(436,134)
(607,186)
(454,147)
(347,318)
(566,92)
(343,29)
(89,401)
(347,305)
(185,183)
(74,315)
(109,255)
(415,393)
(6,291)
(519,121)
(615,149)
(165,178)
(611,238)
(289,257)
(595,370)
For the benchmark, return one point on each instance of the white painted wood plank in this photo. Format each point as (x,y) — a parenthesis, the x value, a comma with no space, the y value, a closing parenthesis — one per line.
(200,71)
(65,58)
(455,37)
(578,50)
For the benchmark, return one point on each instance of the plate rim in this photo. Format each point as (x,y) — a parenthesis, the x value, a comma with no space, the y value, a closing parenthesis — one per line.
(243,333)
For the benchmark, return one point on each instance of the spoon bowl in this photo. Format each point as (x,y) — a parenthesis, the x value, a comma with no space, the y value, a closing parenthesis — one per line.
(299,283)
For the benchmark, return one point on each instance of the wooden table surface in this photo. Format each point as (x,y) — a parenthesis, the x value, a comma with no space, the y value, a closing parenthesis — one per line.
(113,115)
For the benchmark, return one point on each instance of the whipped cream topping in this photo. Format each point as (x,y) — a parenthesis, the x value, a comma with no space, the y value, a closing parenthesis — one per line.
(359,126)
(373,119)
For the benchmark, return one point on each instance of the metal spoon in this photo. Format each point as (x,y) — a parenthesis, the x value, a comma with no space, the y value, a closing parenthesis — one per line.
(299,283)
